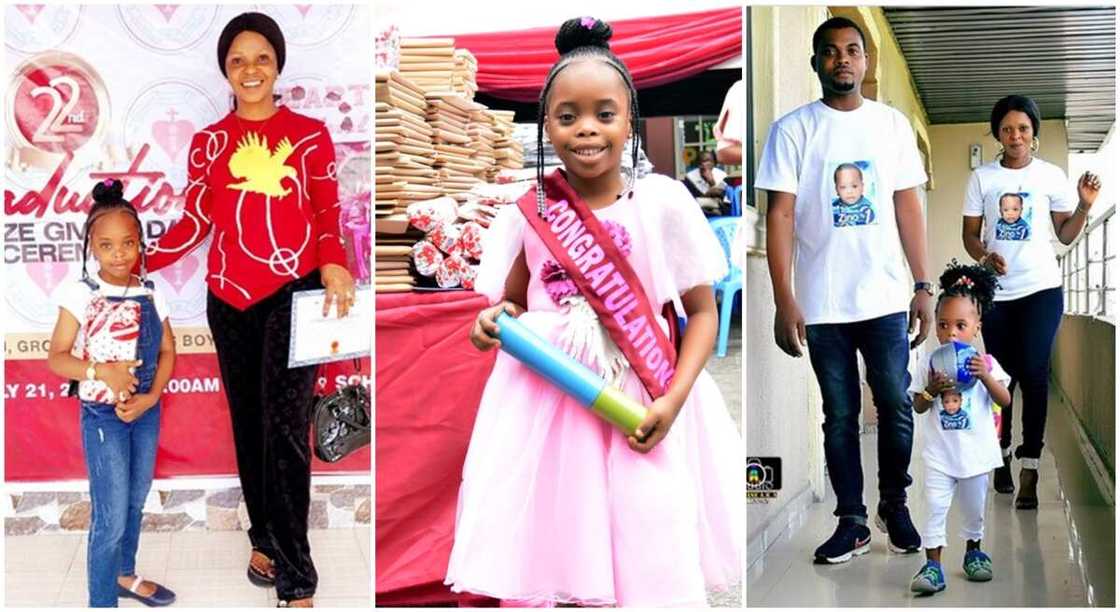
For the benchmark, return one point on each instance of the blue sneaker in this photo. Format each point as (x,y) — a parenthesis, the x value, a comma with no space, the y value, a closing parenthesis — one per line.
(929,580)
(849,539)
(977,566)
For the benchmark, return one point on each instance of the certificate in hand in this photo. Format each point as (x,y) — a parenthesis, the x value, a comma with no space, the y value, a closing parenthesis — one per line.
(319,339)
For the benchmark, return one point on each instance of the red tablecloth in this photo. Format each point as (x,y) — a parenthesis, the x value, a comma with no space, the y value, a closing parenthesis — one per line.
(429,382)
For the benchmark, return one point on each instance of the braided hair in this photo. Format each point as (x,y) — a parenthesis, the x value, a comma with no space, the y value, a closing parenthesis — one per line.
(578,38)
(108,197)
(976,282)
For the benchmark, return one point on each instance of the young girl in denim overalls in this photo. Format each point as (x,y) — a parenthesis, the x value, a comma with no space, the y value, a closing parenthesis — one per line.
(113,337)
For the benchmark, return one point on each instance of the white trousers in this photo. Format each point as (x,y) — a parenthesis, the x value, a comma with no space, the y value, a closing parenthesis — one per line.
(972,493)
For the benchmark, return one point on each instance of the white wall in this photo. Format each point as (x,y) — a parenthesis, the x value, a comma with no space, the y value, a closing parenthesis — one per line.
(783,408)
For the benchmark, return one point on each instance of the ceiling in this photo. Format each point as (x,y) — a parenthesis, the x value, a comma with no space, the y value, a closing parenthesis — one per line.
(964,59)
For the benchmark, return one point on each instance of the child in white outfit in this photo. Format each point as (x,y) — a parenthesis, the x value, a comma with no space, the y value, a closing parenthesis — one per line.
(961,443)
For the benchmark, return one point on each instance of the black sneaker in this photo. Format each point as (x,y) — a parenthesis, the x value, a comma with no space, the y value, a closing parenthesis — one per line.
(894,520)
(849,539)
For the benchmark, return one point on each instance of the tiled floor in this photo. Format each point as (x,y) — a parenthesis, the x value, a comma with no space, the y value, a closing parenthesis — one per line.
(1060,555)
(204,568)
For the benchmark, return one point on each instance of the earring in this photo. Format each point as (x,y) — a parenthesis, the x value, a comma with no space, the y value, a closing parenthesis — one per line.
(1035,144)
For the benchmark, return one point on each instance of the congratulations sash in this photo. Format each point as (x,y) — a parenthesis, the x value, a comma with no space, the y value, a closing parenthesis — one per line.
(582,246)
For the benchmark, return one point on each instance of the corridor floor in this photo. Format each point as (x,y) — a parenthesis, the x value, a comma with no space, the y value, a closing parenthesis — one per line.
(1060,555)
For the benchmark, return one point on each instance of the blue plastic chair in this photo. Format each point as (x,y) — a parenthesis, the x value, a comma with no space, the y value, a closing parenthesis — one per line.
(735,197)
(732,284)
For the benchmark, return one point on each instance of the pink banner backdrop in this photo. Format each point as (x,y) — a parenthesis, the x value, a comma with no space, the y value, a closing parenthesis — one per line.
(117,91)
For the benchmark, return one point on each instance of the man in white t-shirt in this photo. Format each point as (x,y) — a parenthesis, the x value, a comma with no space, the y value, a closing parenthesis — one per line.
(841,176)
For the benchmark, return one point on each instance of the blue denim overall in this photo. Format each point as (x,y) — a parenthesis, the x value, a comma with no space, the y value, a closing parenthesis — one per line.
(120,458)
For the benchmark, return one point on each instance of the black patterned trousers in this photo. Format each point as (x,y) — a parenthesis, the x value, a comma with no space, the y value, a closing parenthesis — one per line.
(270,406)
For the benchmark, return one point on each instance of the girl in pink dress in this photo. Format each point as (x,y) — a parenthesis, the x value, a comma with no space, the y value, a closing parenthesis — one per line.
(556,505)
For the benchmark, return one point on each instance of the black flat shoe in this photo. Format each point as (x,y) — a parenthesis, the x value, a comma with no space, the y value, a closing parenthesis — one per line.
(162,596)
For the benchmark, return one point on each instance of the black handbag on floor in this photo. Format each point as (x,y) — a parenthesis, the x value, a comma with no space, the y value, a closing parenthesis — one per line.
(342,422)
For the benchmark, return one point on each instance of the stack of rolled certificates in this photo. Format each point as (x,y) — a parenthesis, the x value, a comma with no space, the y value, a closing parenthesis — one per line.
(483,136)
(463,76)
(429,62)
(405,153)
(449,117)
(508,151)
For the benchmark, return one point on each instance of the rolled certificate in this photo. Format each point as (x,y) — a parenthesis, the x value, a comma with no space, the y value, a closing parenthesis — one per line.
(571,376)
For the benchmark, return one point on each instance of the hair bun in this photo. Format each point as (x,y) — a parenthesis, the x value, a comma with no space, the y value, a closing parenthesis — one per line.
(108,191)
(583,32)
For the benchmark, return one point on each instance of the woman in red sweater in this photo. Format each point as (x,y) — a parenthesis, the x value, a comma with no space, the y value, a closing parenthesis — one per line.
(262,182)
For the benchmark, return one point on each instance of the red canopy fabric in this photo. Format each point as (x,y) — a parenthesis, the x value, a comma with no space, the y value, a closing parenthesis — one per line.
(657,50)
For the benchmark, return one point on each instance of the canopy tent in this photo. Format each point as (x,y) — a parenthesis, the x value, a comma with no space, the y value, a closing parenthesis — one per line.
(658,50)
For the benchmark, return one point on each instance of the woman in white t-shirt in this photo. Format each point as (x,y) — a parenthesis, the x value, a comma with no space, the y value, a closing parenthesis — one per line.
(1010,206)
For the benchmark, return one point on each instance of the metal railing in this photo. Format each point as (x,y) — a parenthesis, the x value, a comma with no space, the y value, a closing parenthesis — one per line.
(1086,265)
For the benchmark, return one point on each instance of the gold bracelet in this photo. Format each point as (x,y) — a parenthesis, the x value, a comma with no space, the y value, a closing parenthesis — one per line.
(925,394)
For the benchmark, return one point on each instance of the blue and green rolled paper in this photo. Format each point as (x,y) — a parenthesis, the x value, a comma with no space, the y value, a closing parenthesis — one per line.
(571,376)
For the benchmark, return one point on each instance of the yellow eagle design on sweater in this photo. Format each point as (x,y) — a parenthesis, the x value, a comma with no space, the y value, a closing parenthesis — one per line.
(261,168)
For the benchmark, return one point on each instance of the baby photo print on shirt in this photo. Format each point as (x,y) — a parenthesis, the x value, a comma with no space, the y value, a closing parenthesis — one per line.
(853,192)
(1014,216)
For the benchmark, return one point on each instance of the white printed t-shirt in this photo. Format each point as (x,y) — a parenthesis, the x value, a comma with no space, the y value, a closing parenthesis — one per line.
(844,167)
(1016,206)
(75,296)
(964,443)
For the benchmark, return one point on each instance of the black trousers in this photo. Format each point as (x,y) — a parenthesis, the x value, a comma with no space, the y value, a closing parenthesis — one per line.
(1020,334)
(270,406)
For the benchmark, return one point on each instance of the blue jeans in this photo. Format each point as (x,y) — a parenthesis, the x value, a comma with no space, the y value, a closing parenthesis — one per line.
(886,352)
(120,458)
(1020,335)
